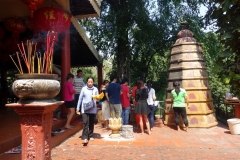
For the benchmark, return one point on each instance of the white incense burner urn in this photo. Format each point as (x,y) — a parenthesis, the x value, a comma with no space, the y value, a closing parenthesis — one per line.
(35,88)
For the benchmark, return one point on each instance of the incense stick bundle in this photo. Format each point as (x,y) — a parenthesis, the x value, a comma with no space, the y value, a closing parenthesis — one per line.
(29,54)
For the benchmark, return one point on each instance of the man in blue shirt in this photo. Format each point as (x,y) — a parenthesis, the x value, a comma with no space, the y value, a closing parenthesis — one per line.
(113,92)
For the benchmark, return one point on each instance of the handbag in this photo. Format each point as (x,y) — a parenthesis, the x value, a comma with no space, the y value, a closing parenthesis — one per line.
(88,106)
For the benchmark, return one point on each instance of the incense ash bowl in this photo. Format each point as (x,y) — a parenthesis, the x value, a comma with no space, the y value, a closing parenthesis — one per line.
(35,88)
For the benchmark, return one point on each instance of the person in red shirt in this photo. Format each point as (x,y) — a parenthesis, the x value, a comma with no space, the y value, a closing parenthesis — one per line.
(125,101)
(68,94)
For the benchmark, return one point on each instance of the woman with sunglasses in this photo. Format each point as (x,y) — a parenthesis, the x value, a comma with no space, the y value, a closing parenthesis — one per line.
(179,99)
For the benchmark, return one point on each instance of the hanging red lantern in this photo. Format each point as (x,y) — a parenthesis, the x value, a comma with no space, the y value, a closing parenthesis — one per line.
(15,25)
(32,5)
(52,19)
(2,32)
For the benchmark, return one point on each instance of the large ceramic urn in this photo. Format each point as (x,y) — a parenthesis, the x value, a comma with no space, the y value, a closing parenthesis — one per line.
(36,88)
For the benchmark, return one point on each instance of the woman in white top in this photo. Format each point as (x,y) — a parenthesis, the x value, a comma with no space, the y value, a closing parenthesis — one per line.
(150,101)
(88,116)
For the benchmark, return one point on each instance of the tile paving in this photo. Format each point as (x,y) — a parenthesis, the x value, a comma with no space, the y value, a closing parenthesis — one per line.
(165,143)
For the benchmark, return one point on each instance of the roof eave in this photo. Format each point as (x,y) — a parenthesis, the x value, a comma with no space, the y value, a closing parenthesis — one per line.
(82,33)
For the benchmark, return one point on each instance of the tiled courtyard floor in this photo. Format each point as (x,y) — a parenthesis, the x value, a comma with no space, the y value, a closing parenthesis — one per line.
(165,143)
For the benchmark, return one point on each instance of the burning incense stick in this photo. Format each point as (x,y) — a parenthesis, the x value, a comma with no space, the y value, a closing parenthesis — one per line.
(19,63)
(15,63)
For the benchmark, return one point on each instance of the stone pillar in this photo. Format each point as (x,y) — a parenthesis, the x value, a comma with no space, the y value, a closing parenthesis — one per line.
(100,76)
(36,124)
(66,65)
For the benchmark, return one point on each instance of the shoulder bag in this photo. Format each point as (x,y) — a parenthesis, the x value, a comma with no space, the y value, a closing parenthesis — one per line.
(88,106)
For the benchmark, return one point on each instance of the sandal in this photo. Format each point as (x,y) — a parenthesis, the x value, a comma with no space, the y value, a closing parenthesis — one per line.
(85,141)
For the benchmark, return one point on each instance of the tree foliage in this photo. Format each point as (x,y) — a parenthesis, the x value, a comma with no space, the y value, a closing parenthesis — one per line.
(137,35)
(226,15)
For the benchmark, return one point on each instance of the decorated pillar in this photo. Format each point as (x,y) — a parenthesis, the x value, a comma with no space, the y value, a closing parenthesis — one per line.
(36,125)
(100,76)
(65,67)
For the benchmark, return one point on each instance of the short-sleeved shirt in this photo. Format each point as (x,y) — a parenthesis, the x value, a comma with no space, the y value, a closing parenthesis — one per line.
(68,91)
(78,84)
(179,99)
(124,98)
(113,91)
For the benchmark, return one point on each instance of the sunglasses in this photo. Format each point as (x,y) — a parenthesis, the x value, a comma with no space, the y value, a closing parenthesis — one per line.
(177,85)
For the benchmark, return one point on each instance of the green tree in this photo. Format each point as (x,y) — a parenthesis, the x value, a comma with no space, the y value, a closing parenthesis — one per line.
(138,35)
(226,15)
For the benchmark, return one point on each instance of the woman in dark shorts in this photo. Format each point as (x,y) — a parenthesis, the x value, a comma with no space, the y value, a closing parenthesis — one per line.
(68,94)
(142,106)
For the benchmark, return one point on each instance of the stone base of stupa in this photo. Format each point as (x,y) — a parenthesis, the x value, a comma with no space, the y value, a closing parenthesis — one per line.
(195,121)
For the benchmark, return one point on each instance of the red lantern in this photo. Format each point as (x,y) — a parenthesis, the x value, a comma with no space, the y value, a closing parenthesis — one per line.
(15,25)
(32,5)
(52,19)
(2,32)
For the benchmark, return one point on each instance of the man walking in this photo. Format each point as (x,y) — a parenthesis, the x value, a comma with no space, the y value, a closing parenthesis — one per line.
(78,84)
(113,96)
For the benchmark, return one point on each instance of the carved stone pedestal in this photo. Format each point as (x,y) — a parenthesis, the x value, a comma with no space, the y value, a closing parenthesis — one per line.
(36,125)
(115,124)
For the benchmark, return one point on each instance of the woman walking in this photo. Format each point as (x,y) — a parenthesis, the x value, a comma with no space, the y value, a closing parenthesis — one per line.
(68,94)
(142,106)
(150,101)
(88,109)
(105,104)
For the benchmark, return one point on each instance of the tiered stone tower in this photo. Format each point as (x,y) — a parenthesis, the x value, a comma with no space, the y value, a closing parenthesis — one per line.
(188,67)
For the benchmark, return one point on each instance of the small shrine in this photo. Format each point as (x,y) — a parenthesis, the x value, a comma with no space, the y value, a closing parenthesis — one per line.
(187,65)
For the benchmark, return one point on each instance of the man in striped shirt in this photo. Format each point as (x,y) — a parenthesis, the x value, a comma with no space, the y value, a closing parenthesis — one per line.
(78,83)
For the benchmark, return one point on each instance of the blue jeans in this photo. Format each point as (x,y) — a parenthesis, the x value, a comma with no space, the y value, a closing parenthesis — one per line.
(125,115)
(151,115)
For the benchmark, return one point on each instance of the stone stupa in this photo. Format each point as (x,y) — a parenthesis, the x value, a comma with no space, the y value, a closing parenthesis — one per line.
(187,65)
